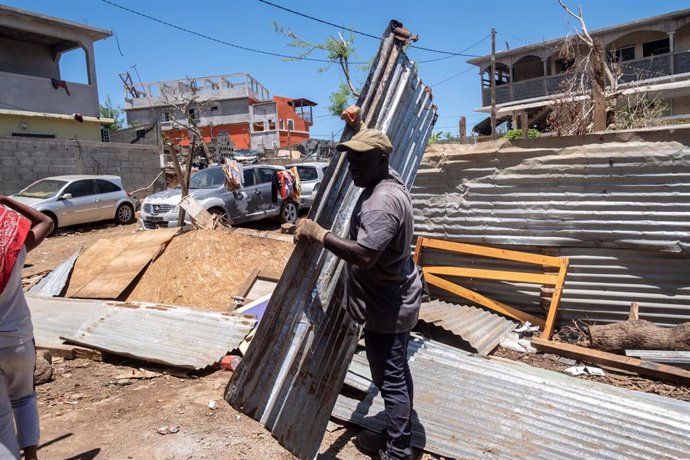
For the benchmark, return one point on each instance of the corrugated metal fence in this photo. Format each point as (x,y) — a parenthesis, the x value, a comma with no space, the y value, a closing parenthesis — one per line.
(617,204)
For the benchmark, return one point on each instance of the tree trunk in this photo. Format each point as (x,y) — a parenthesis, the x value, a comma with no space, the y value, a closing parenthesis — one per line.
(598,75)
(639,334)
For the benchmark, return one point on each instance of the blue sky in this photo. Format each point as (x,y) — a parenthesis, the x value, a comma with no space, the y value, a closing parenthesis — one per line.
(160,52)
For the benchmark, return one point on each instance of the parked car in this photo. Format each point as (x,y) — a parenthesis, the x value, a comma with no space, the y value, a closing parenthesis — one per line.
(72,200)
(253,201)
(310,176)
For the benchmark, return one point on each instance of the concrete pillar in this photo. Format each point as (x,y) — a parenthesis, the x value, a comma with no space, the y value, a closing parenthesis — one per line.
(512,80)
(672,49)
(545,63)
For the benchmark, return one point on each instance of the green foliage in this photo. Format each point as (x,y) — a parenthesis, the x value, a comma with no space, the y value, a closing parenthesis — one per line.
(340,100)
(108,111)
(517,134)
(434,138)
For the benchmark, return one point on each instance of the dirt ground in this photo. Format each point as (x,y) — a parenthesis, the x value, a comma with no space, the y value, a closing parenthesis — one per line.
(92,411)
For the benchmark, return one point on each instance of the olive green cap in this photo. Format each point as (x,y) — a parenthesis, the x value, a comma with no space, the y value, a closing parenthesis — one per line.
(365,140)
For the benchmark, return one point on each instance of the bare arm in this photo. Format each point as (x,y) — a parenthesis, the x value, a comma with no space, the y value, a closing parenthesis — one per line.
(41,225)
(350,251)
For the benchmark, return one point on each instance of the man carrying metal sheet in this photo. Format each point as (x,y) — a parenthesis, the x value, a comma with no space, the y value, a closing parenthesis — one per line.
(383,284)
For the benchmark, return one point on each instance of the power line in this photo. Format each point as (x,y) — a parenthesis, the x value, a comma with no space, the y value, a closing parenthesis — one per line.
(217,40)
(453,76)
(461,53)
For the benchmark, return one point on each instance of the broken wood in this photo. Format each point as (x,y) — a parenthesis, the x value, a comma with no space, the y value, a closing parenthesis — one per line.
(642,367)
(639,334)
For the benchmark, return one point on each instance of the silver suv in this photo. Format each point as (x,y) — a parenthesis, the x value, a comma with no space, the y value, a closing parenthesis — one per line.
(71,200)
(253,201)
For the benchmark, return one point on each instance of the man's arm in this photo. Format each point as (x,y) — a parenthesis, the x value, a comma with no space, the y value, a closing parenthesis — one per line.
(41,225)
(348,250)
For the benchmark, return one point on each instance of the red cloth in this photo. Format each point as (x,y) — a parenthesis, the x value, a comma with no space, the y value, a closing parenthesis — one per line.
(13,230)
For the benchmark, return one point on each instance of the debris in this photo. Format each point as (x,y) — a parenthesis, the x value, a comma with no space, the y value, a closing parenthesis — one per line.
(108,267)
(212,405)
(640,334)
(43,371)
(513,342)
(162,430)
(200,216)
(678,358)
(139,374)
(288,228)
(230,362)
(646,368)
(526,328)
(173,336)
(586,370)
(173,429)
(54,283)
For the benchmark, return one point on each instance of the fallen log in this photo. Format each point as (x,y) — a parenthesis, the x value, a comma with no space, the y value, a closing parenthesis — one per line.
(640,366)
(639,334)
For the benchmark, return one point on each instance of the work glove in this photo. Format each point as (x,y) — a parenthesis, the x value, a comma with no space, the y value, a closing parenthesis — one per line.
(357,312)
(308,230)
(352,117)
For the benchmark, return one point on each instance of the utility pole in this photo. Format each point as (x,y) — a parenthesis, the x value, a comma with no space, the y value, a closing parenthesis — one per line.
(463,130)
(493,83)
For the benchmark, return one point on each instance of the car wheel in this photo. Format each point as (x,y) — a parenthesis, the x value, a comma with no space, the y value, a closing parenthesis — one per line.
(222,215)
(124,214)
(289,212)
(55,222)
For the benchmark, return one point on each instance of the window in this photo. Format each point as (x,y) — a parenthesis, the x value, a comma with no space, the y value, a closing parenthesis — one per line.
(207,178)
(622,54)
(307,173)
(282,123)
(291,124)
(105,186)
(164,116)
(249,177)
(36,135)
(214,108)
(105,134)
(265,175)
(81,188)
(193,113)
(563,65)
(257,126)
(656,47)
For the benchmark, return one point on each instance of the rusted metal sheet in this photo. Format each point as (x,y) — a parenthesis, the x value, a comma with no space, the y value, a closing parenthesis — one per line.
(481,329)
(618,207)
(293,371)
(467,406)
(173,336)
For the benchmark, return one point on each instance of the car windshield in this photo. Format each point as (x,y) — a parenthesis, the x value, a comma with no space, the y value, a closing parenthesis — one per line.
(207,178)
(45,188)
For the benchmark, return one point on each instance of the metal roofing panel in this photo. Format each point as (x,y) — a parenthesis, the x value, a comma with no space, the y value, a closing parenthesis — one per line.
(297,362)
(54,282)
(467,406)
(481,329)
(54,317)
(620,210)
(173,336)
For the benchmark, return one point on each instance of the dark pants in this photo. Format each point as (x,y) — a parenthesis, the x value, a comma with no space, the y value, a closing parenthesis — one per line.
(387,355)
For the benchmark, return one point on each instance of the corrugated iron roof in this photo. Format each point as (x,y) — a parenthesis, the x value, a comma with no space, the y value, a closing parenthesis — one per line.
(54,317)
(620,210)
(54,282)
(294,369)
(467,406)
(168,335)
(481,329)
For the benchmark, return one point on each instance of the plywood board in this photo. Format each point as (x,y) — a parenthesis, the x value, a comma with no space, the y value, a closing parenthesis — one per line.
(108,267)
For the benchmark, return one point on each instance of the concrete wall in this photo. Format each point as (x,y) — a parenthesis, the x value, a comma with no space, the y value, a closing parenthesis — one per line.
(27,59)
(61,129)
(23,161)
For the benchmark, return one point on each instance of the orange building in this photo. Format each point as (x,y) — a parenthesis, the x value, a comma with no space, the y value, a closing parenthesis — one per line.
(235,111)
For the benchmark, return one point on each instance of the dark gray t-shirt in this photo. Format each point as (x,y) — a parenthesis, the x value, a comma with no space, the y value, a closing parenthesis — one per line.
(390,291)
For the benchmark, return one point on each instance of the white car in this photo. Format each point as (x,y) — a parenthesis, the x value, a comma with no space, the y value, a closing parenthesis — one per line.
(72,200)
(310,176)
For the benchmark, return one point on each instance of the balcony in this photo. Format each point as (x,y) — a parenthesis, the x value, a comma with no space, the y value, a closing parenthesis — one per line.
(639,69)
(36,94)
(219,87)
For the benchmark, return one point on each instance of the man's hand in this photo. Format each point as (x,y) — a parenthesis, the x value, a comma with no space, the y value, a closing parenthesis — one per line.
(308,230)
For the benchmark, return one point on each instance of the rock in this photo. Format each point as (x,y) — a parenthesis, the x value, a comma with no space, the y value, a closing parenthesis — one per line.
(44,370)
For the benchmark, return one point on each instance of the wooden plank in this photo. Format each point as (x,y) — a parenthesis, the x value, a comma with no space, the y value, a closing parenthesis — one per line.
(555,301)
(200,216)
(418,250)
(483,300)
(537,278)
(642,367)
(108,267)
(244,289)
(493,252)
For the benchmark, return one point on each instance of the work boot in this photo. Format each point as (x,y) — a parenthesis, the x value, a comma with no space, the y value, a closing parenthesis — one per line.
(384,455)
(371,443)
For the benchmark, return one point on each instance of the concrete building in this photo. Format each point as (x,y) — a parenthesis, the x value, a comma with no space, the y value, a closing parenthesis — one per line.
(234,110)
(35,100)
(653,55)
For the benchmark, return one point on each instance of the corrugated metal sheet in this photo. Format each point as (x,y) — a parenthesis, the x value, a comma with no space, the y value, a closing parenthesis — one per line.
(54,282)
(620,209)
(294,369)
(481,329)
(173,336)
(55,317)
(467,406)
